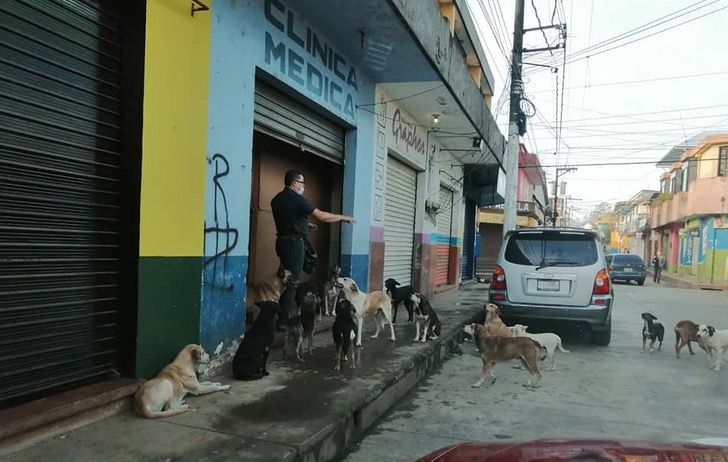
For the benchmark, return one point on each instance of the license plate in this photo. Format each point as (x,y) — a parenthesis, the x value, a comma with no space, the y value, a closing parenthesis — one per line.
(545,284)
(628,270)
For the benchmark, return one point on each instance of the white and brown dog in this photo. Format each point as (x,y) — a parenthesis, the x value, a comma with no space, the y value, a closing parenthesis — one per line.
(364,303)
(716,343)
(549,341)
(163,396)
(495,348)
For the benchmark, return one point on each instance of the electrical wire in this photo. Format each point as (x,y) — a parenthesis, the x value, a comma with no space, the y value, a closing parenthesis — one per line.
(632,82)
(413,95)
(607,164)
(540,26)
(647,36)
(645,27)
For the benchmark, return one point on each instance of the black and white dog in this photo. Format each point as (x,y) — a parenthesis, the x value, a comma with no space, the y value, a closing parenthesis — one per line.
(331,292)
(399,294)
(652,330)
(308,305)
(425,314)
(344,332)
(251,359)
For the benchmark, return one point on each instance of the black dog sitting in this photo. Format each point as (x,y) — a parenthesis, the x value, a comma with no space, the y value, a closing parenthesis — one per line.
(251,359)
(652,330)
(344,332)
(425,314)
(399,295)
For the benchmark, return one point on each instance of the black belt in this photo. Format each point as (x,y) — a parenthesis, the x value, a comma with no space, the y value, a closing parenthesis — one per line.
(291,237)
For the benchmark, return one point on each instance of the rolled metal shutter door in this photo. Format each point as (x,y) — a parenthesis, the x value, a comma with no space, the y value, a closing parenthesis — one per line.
(444,229)
(468,259)
(399,221)
(60,157)
(285,119)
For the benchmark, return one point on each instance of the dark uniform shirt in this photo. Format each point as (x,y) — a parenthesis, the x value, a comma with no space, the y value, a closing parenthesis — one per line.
(290,212)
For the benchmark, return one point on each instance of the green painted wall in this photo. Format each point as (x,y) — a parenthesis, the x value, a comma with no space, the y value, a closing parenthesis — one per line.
(169,292)
(706,267)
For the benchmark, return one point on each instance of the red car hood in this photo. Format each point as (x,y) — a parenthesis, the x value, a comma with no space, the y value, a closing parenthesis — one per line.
(578,451)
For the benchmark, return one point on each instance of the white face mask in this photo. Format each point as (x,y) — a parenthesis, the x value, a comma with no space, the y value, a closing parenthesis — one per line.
(300,191)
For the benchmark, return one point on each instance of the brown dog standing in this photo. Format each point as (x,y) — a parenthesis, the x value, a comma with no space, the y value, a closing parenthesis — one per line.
(492,319)
(163,396)
(686,332)
(494,348)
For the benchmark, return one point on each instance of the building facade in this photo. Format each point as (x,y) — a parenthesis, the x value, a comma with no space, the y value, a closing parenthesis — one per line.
(143,150)
(689,214)
(532,203)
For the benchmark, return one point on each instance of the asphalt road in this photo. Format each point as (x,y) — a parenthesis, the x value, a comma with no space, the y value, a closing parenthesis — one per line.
(594,392)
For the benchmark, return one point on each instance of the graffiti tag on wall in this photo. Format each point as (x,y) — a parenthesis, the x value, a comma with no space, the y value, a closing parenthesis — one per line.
(224,235)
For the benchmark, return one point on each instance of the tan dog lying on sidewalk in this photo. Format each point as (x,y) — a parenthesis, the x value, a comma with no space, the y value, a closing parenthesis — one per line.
(494,348)
(163,396)
(373,302)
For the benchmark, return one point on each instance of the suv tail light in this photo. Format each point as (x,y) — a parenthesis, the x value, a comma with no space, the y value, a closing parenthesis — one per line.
(601,283)
(499,279)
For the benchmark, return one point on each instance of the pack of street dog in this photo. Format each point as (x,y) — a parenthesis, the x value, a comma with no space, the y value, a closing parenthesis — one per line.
(712,341)
(337,296)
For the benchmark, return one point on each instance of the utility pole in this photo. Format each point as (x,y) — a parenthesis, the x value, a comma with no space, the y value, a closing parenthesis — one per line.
(512,148)
(556,191)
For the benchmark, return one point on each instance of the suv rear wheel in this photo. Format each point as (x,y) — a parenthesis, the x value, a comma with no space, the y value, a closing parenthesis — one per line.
(602,337)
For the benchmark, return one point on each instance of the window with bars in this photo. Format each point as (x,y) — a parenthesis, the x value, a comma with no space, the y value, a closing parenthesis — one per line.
(723,161)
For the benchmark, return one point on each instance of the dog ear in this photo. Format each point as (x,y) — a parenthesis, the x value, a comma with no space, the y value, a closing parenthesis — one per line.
(197,352)
(354,288)
(711,330)
(281,272)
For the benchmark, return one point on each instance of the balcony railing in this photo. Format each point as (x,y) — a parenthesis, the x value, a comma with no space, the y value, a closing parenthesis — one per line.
(705,196)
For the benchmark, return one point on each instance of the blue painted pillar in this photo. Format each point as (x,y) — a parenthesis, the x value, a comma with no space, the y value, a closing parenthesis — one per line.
(357,200)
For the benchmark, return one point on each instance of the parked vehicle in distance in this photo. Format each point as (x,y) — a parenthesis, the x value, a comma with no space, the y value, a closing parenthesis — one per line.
(626,267)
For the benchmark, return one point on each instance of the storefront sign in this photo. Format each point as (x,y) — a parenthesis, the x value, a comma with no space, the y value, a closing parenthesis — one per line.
(308,60)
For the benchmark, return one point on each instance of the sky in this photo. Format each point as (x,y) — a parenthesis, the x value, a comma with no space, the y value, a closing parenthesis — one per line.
(607,117)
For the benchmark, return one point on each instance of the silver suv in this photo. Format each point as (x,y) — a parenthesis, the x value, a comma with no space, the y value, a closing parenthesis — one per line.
(554,274)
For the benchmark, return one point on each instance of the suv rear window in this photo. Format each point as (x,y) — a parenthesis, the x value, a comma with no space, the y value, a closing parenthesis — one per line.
(552,248)
(628,259)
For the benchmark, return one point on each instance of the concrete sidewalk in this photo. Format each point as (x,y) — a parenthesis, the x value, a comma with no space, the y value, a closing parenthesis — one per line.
(688,282)
(302,411)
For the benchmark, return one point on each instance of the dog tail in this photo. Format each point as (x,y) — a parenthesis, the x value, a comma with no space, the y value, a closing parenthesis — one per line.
(561,348)
(143,409)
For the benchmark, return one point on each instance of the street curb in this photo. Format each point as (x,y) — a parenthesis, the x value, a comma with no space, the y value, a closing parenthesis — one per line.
(340,436)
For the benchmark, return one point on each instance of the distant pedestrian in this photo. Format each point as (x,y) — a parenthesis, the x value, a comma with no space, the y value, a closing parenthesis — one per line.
(657,263)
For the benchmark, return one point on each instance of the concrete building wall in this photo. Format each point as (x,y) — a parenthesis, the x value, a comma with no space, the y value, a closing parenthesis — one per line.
(173,182)
(270,40)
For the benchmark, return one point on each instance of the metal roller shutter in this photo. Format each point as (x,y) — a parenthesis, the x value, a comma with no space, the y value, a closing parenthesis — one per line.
(399,221)
(60,156)
(468,259)
(444,228)
(281,117)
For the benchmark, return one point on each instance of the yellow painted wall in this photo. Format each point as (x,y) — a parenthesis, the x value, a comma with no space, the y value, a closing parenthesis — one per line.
(176,75)
(708,166)
(497,218)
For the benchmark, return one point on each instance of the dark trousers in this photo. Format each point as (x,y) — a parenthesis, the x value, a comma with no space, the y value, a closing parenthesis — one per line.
(291,253)
(657,274)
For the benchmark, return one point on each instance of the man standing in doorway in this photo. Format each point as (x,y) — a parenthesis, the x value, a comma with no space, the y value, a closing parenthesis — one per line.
(657,263)
(290,213)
